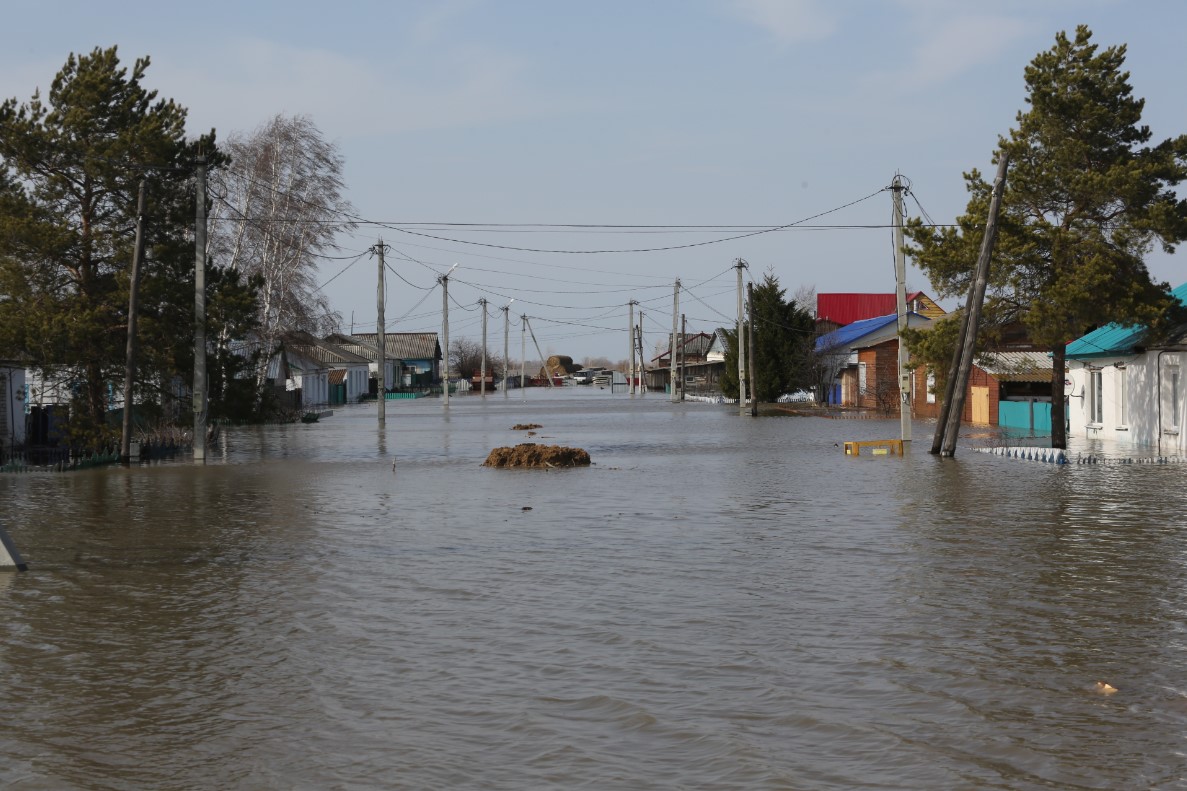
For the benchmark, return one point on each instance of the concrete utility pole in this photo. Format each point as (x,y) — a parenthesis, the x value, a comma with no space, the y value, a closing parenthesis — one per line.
(482,383)
(506,350)
(133,288)
(740,341)
(900,300)
(444,281)
(957,384)
(630,330)
(752,355)
(672,353)
(523,355)
(381,336)
(200,315)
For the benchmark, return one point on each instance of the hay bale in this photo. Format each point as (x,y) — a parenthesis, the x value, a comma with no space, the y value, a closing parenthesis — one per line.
(559,365)
(531,455)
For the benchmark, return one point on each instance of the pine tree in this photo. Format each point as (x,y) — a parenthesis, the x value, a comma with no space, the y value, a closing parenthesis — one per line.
(70,166)
(1086,200)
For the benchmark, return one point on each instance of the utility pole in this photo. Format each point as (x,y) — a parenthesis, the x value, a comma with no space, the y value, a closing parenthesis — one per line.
(900,300)
(544,363)
(380,336)
(133,288)
(642,360)
(444,281)
(957,383)
(200,315)
(482,384)
(523,354)
(672,352)
(740,341)
(630,331)
(683,371)
(753,357)
(506,350)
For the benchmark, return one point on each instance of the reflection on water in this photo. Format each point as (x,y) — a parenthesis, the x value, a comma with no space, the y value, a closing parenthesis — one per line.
(719,602)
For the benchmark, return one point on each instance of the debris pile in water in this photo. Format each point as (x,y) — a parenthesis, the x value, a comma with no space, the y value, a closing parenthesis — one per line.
(529,454)
(525,426)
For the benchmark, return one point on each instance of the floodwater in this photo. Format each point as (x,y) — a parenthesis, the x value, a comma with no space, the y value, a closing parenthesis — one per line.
(718,603)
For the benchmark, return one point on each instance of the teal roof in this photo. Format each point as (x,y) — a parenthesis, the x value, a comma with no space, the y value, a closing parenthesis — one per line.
(1114,339)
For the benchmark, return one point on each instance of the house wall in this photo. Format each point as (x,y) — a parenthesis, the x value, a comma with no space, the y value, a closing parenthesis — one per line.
(881,362)
(1150,415)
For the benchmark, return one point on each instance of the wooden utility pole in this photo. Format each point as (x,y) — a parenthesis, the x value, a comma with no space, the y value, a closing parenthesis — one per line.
(506,349)
(900,301)
(380,335)
(444,281)
(133,289)
(200,315)
(740,341)
(630,331)
(752,355)
(683,371)
(482,383)
(543,362)
(642,360)
(672,353)
(977,297)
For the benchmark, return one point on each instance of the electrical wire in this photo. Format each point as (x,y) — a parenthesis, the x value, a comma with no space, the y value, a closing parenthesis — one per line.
(641,249)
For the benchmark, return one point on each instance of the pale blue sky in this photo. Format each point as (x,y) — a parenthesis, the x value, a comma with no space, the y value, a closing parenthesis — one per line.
(652,112)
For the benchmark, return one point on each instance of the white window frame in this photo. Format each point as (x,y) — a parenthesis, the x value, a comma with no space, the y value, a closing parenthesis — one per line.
(862,379)
(1174,395)
(1095,397)
(1122,378)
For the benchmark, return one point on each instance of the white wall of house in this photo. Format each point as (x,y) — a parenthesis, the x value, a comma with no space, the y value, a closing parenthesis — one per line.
(356,381)
(1137,400)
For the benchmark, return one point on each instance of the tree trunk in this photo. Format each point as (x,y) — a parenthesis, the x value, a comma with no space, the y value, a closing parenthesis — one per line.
(1058,400)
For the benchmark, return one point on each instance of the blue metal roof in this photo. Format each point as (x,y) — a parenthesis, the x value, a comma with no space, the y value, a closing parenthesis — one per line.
(843,337)
(1114,340)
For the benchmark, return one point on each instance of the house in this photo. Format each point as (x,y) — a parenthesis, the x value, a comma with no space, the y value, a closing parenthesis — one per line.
(13,397)
(861,361)
(413,359)
(692,359)
(348,372)
(306,380)
(1125,386)
(834,311)
(1009,388)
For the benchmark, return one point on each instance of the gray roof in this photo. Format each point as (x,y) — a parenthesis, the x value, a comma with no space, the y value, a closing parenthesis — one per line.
(1018,366)
(323,352)
(397,345)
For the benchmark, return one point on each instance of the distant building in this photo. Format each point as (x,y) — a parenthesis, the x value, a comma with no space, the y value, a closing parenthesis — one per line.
(834,311)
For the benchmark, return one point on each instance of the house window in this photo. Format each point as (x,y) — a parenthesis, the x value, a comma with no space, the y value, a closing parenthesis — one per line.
(1095,398)
(1174,393)
(861,378)
(931,388)
(1122,379)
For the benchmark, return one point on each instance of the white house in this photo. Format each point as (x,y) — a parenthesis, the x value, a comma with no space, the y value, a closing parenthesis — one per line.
(1124,387)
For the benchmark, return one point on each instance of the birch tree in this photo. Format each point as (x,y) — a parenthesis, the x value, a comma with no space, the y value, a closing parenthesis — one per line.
(278,209)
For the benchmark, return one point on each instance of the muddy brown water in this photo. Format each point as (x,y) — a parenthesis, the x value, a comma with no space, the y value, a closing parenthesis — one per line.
(717,603)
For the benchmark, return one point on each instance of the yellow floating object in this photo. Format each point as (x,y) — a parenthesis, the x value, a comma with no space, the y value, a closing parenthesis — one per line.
(879,447)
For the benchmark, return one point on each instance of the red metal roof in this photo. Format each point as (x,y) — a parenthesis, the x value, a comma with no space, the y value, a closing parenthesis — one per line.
(847,308)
